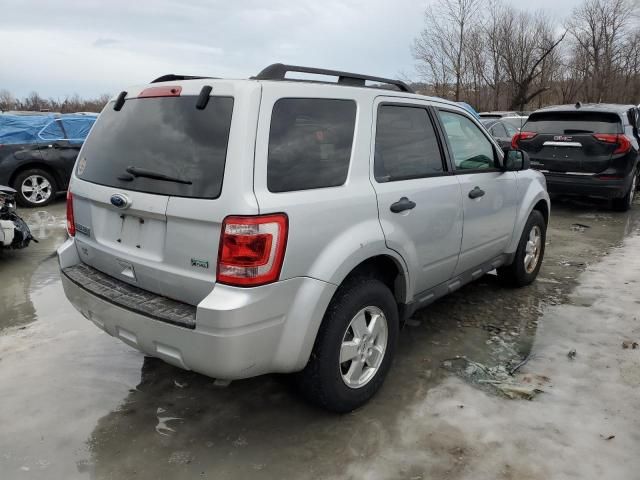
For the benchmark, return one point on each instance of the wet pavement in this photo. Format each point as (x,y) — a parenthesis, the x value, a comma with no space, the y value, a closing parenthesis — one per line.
(76,403)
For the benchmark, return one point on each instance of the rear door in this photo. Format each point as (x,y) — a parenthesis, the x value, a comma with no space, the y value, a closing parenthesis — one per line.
(157,178)
(570,142)
(489,195)
(419,201)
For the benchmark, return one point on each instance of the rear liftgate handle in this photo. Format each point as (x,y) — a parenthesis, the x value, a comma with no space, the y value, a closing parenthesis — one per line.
(476,193)
(401,205)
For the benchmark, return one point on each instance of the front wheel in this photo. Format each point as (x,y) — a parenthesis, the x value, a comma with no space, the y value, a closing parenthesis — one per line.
(528,259)
(354,347)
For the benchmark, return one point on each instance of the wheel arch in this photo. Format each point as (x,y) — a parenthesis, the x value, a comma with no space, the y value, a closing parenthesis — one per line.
(536,201)
(36,165)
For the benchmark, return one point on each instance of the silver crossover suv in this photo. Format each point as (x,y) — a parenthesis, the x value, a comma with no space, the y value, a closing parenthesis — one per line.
(242,227)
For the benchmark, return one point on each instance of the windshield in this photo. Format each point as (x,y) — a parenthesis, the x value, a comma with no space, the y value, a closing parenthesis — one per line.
(168,136)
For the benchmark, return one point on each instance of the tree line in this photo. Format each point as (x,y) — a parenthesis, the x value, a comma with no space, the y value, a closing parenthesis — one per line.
(498,57)
(34,102)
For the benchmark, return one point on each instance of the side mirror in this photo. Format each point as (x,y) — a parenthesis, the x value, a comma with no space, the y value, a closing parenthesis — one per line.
(515,160)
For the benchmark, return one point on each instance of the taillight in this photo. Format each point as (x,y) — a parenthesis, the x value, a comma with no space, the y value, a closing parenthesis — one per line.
(623,143)
(71,224)
(251,249)
(521,136)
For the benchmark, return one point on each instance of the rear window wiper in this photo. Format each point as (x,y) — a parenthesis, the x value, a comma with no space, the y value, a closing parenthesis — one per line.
(141,172)
(577,130)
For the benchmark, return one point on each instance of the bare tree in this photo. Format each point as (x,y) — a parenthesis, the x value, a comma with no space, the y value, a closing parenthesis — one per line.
(529,42)
(7,100)
(441,45)
(598,28)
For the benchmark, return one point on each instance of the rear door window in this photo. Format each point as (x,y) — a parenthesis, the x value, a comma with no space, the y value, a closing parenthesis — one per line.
(53,131)
(572,123)
(511,130)
(406,144)
(310,142)
(77,129)
(165,135)
(471,149)
(498,130)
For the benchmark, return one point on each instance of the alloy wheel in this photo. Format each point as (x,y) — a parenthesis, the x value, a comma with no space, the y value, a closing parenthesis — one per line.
(36,189)
(533,249)
(363,347)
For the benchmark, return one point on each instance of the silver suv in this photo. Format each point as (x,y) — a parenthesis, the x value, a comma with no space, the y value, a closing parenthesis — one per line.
(242,227)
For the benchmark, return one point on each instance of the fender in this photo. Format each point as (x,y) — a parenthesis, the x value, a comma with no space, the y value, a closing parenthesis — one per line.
(533,185)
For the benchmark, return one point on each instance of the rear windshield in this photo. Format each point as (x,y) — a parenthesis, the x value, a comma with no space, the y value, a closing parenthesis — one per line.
(168,136)
(573,123)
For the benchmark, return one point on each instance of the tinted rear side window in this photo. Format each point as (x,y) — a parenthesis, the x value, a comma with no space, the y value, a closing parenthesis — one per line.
(310,143)
(406,144)
(573,123)
(166,135)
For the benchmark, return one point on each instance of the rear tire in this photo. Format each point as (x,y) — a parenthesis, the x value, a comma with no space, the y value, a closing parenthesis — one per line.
(35,188)
(624,203)
(529,255)
(329,380)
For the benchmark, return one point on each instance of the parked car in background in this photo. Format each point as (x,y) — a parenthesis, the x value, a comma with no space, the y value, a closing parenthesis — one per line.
(513,118)
(243,227)
(585,149)
(38,151)
(502,131)
(516,122)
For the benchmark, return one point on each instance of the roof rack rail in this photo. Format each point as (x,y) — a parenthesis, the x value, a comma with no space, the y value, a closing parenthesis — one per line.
(278,71)
(171,77)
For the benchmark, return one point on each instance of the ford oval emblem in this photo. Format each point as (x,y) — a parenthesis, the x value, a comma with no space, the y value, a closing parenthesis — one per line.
(120,201)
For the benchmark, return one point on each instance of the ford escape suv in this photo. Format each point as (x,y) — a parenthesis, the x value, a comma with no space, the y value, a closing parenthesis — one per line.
(586,149)
(242,227)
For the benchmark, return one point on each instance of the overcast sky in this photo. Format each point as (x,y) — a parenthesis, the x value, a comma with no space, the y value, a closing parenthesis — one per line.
(94,46)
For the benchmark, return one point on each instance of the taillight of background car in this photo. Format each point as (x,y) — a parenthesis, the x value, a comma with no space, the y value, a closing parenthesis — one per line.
(623,143)
(521,136)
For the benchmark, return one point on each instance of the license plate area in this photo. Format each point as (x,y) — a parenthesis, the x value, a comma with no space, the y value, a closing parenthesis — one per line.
(145,236)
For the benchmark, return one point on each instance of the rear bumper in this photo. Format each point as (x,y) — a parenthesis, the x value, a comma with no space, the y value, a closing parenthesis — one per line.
(588,185)
(239,332)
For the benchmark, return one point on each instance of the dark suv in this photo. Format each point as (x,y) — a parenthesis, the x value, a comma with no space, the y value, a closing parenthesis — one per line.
(38,151)
(589,149)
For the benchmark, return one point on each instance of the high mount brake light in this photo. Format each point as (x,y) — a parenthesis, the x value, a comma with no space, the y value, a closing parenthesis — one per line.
(251,250)
(521,136)
(622,142)
(71,223)
(166,91)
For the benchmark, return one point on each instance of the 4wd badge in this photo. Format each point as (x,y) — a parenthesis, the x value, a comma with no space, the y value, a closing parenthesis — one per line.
(199,263)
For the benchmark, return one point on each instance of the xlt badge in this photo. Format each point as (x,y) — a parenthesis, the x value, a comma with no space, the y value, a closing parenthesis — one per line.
(199,263)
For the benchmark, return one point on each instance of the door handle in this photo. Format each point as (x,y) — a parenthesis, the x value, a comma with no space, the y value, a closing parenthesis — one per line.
(401,205)
(476,193)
